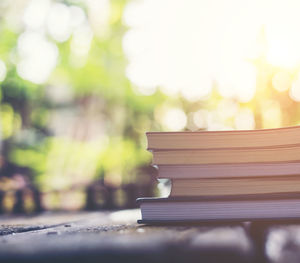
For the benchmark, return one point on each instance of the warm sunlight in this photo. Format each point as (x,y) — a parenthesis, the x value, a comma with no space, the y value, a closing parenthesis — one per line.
(187,46)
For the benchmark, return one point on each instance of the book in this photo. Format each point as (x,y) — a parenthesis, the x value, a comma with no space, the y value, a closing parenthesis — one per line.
(230,155)
(228,170)
(220,208)
(226,175)
(234,186)
(223,139)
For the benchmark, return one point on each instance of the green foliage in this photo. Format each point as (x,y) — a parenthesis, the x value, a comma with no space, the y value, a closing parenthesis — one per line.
(67,152)
(87,121)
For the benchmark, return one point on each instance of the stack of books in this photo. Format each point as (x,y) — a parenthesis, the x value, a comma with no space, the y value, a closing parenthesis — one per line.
(226,175)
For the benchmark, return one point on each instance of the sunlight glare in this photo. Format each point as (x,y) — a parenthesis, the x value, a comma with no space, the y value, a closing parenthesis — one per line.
(238,81)
(81,40)
(77,16)
(35,13)
(271,114)
(282,34)
(196,91)
(38,57)
(214,122)
(174,119)
(59,22)
(200,119)
(2,70)
(187,50)
(295,90)
(244,120)
(99,15)
(281,81)
(227,108)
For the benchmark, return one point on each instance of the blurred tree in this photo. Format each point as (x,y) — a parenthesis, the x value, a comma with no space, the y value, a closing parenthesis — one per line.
(69,114)
(67,118)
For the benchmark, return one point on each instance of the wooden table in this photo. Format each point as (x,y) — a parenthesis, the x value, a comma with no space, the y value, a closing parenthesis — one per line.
(116,237)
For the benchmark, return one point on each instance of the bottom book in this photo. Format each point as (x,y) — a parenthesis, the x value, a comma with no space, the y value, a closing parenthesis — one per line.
(282,206)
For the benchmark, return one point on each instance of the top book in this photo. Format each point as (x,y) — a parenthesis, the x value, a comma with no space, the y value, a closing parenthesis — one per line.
(224,139)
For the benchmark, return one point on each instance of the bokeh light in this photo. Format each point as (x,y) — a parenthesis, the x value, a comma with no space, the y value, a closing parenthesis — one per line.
(295,89)
(200,118)
(174,119)
(38,57)
(81,81)
(2,70)
(35,14)
(281,81)
(244,120)
(210,44)
(59,22)
(271,114)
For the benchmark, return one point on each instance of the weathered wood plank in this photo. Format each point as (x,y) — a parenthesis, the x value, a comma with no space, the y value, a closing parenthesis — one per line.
(102,236)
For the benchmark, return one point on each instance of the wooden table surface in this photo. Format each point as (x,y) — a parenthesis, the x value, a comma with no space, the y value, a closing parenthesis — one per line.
(116,237)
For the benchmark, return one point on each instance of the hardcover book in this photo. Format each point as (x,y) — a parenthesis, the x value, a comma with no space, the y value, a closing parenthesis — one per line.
(228,170)
(235,186)
(220,208)
(223,139)
(230,155)
(226,175)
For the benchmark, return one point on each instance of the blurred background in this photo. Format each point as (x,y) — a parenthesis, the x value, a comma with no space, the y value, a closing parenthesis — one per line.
(81,81)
